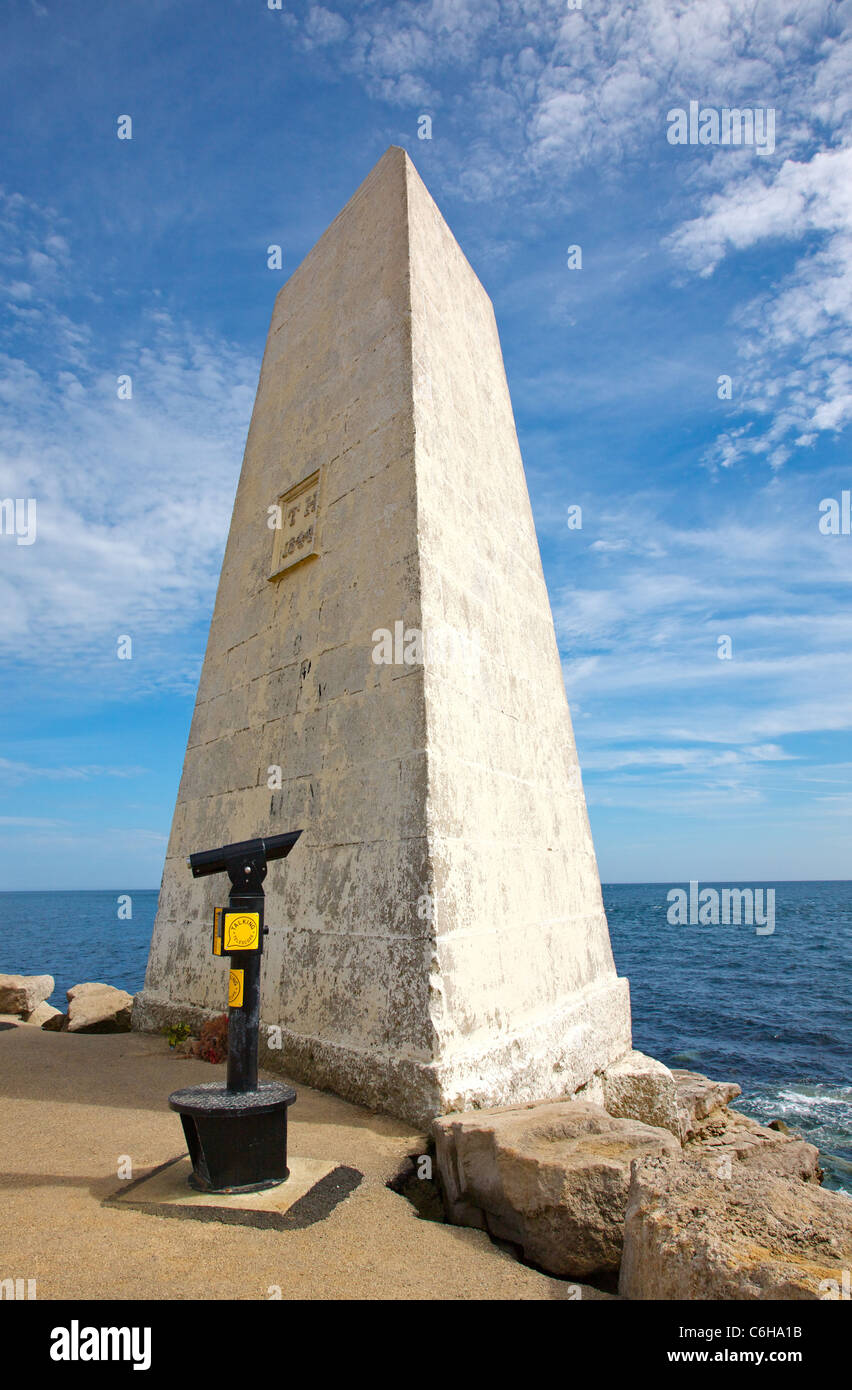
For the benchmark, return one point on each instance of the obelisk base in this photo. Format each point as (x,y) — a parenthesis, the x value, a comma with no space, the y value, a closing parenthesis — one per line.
(555,1056)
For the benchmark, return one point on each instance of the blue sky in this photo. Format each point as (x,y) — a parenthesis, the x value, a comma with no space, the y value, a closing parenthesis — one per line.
(254,126)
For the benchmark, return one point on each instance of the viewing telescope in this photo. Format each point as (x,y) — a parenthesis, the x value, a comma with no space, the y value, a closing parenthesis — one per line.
(219,861)
(237,1133)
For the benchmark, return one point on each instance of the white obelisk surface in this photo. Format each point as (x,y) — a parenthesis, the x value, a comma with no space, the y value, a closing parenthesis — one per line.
(437,937)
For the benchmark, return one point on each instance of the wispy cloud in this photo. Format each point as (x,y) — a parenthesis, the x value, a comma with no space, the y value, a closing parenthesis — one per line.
(133,495)
(550,91)
(796,339)
(31,822)
(651,608)
(13,773)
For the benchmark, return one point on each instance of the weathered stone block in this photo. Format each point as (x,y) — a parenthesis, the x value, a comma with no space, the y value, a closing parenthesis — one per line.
(98,1008)
(640,1088)
(691,1234)
(20,994)
(728,1137)
(41,1015)
(699,1098)
(552,1178)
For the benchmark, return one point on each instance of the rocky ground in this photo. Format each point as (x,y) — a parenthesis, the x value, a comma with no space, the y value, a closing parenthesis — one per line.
(703,1204)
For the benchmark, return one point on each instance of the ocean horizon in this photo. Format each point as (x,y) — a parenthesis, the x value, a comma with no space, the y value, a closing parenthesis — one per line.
(768,1010)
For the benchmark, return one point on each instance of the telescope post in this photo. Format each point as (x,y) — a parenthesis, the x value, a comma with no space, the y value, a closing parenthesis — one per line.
(237,1134)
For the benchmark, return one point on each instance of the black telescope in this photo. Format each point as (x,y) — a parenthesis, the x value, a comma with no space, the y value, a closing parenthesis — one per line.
(217,861)
(237,1133)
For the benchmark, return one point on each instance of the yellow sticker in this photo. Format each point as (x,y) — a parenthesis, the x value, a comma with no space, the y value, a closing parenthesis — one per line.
(217,931)
(235,988)
(242,931)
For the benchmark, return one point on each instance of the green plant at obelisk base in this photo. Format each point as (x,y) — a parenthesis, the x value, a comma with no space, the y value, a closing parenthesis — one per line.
(177,1033)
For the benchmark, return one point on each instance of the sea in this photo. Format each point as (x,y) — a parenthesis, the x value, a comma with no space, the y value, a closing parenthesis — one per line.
(770,1011)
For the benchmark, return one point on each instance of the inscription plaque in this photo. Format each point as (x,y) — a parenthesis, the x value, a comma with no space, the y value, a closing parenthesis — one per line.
(296,525)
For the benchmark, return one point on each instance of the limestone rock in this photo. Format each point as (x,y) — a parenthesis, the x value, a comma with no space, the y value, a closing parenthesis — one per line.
(698,1098)
(57,1023)
(21,994)
(637,1087)
(553,1178)
(690,1234)
(98,1008)
(718,1136)
(41,1014)
(729,1137)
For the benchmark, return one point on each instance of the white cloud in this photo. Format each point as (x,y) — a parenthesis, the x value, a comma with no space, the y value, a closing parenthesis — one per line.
(550,91)
(133,496)
(595,82)
(324,26)
(802,197)
(640,635)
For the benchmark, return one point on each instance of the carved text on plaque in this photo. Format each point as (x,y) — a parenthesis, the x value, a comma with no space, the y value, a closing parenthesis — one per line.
(295,521)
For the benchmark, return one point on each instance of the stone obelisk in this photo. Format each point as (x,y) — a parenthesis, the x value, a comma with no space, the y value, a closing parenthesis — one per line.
(382,672)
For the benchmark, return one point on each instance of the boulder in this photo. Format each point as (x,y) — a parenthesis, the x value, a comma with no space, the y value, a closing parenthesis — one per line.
(780,1125)
(637,1087)
(710,1131)
(551,1178)
(98,1008)
(690,1234)
(57,1023)
(730,1137)
(39,1016)
(698,1099)
(21,994)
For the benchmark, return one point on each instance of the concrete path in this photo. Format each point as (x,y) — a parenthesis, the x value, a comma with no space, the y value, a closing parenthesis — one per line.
(74,1105)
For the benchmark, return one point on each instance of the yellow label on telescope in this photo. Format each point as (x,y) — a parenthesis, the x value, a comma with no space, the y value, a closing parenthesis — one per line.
(235,988)
(242,931)
(218,913)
